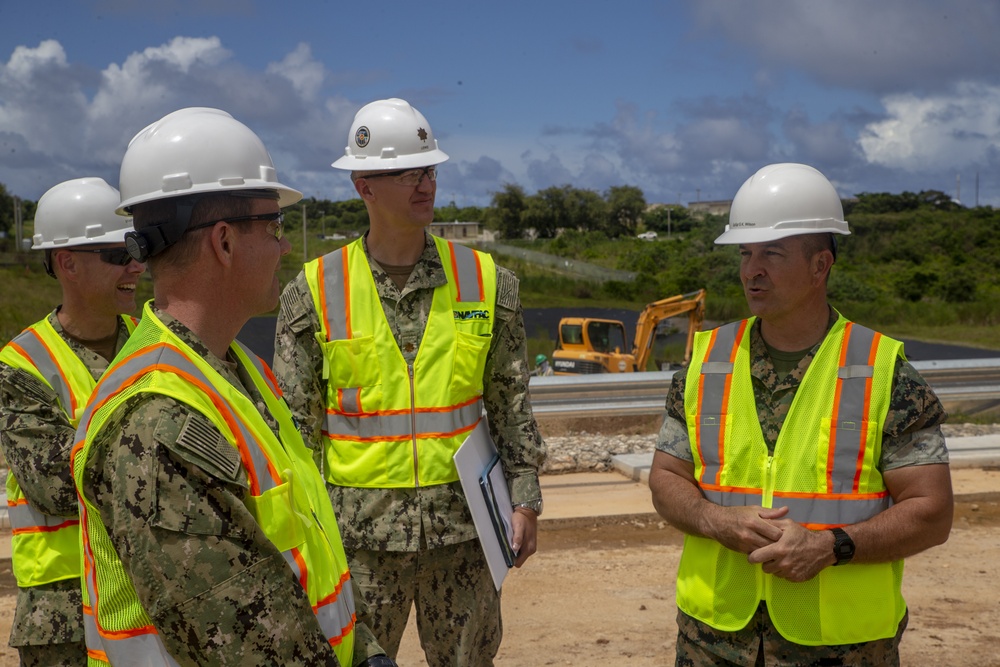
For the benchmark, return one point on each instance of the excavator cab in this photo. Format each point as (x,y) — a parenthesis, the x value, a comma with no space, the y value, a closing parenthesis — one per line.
(606,336)
(588,346)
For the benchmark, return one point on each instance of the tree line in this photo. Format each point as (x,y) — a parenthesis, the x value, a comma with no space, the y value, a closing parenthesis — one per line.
(514,214)
(911,257)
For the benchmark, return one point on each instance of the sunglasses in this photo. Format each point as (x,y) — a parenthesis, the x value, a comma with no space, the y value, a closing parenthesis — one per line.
(408,176)
(116,256)
(276,219)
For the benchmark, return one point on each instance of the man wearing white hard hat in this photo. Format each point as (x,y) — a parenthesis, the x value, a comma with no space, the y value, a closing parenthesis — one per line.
(801,454)
(389,350)
(47,374)
(208,535)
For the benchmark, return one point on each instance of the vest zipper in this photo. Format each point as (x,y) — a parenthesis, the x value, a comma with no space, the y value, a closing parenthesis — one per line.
(413,425)
(767,497)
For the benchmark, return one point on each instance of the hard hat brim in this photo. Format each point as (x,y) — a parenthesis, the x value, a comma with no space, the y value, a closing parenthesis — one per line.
(751,234)
(286,195)
(373,163)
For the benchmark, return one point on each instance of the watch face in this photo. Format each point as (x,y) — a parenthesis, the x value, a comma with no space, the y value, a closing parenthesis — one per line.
(843,546)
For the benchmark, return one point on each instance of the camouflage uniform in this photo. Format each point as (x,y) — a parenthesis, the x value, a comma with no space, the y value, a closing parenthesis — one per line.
(911,436)
(391,534)
(36,437)
(214,585)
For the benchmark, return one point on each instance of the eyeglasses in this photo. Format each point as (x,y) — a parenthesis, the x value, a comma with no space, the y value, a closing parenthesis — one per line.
(276,219)
(408,176)
(116,256)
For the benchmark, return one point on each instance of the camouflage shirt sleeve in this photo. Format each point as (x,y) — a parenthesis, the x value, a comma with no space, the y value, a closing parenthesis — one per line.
(214,585)
(505,394)
(912,432)
(298,363)
(37,437)
(35,433)
(673,436)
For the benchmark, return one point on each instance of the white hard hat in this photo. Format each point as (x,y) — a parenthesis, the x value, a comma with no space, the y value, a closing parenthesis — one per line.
(78,212)
(197,151)
(390,134)
(783,200)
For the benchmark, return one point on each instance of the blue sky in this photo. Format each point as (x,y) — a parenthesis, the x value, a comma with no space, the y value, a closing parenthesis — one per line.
(684,99)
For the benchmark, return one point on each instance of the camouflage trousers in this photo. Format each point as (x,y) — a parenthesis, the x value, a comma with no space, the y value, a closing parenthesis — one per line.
(759,644)
(47,628)
(457,606)
(73,654)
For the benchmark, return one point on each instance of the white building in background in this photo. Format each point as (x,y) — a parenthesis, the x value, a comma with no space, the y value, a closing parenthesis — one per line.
(462,231)
(717,207)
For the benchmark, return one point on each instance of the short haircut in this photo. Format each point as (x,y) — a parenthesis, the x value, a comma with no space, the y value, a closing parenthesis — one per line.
(205,208)
(814,243)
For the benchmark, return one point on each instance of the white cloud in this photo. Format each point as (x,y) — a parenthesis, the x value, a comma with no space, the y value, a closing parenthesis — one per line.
(885,46)
(299,67)
(936,132)
(59,120)
(24,60)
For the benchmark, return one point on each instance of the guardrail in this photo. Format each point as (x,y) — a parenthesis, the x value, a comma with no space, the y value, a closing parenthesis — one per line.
(965,385)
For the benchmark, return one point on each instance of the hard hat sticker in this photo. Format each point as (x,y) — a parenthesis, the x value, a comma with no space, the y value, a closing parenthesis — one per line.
(362,137)
(422,133)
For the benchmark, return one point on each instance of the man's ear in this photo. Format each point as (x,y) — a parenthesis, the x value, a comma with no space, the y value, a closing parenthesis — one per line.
(822,262)
(64,263)
(363,190)
(223,239)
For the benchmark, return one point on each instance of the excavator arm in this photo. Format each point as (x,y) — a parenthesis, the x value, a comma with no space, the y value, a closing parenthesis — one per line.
(692,303)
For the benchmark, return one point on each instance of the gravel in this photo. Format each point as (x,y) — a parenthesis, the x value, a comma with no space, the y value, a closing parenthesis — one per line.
(592,452)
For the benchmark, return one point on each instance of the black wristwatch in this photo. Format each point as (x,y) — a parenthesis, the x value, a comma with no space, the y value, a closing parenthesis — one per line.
(843,546)
(380,661)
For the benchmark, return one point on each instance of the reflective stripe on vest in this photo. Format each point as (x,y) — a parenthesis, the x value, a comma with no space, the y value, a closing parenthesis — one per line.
(45,548)
(841,504)
(368,405)
(43,357)
(313,552)
(823,467)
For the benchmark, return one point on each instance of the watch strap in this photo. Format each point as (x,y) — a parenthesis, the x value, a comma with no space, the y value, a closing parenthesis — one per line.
(843,546)
(533,505)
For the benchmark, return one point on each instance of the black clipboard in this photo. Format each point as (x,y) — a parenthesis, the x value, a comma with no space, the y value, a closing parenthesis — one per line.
(494,486)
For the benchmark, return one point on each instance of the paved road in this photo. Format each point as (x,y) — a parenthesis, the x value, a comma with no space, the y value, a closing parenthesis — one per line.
(258,334)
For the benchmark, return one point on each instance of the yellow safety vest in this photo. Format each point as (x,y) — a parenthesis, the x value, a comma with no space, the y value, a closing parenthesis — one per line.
(388,424)
(287,496)
(46,548)
(824,468)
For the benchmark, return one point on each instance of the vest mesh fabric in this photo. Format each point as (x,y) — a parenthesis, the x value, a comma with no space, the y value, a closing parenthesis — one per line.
(824,468)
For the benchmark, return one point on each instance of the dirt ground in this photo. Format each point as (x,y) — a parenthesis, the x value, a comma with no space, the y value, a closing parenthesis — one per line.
(602,592)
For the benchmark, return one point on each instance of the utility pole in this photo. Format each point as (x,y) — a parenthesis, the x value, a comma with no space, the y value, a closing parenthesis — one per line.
(322,222)
(305,257)
(18,225)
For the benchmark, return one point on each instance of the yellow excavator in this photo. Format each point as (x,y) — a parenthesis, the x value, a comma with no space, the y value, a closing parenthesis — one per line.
(589,345)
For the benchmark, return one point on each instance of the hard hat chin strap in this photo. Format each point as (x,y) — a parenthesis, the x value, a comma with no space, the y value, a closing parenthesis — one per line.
(47,263)
(154,239)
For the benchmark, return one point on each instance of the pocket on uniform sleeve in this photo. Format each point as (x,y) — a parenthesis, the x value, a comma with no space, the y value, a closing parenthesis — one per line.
(198,476)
